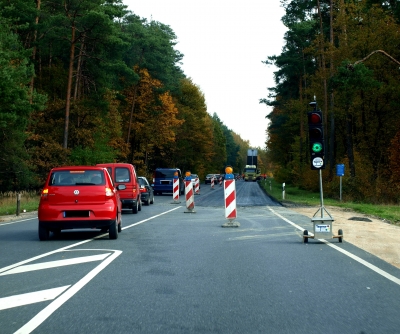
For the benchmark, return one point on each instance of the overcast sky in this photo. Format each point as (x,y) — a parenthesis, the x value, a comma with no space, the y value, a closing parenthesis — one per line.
(224,43)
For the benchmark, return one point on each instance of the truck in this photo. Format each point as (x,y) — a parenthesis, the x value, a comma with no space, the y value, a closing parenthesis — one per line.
(250,172)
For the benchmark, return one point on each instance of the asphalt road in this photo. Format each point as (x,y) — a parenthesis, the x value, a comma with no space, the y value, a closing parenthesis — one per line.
(176,272)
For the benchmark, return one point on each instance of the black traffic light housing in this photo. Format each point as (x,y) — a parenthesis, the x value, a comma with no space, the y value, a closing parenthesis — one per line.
(316,138)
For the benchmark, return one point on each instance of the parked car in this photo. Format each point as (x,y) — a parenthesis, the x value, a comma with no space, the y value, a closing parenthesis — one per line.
(79,197)
(146,191)
(163,180)
(124,173)
(194,177)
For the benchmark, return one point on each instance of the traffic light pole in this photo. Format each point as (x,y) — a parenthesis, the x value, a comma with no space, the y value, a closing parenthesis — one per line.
(322,225)
(321,197)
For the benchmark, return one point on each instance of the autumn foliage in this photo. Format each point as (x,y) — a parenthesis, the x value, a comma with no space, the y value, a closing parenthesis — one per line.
(86,82)
(346,54)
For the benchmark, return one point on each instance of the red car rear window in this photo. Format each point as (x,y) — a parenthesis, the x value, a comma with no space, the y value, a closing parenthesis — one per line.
(122,174)
(77,177)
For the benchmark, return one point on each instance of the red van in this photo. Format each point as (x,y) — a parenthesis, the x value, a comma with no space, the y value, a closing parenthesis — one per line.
(124,173)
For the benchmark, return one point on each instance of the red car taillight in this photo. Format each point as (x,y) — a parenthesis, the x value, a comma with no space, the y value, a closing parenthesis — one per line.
(109,192)
(44,194)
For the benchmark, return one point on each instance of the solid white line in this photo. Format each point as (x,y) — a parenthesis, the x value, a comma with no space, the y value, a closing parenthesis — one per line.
(287,220)
(46,312)
(31,297)
(18,221)
(365,263)
(354,257)
(145,220)
(54,264)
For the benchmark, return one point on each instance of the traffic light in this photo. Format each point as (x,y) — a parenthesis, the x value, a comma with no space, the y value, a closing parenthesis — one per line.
(316,138)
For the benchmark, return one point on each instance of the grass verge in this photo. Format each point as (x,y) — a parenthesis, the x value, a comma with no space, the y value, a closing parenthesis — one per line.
(296,196)
(8,202)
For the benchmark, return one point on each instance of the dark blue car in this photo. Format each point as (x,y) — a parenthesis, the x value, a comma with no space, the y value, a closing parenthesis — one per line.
(163,181)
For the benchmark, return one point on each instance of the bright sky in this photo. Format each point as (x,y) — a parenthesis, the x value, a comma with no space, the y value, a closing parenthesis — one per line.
(224,43)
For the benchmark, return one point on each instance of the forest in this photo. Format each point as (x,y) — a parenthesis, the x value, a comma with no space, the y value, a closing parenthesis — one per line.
(345,55)
(88,81)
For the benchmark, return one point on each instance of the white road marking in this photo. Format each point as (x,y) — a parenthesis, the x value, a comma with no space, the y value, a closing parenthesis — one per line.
(354,257)
(53,306)
(79,243)
(54,264)
(145,220)
(31,297)
(50,294)
(17,221)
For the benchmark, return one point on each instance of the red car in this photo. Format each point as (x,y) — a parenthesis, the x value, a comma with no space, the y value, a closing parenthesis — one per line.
(79,197)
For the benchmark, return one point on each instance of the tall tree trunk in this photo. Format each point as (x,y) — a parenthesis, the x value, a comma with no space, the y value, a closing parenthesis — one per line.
(331,143)
(349,143)
(78,76)
(132,110)
(69,86)
(32,83)
(134,97)
(301,120)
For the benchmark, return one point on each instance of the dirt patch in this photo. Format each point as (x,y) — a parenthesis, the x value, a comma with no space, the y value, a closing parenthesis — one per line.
(375,236)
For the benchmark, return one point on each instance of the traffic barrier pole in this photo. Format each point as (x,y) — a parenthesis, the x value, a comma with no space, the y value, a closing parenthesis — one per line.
(220,181)
(196,186)
(175,187)
(230,199)
(189,195)
(212,183)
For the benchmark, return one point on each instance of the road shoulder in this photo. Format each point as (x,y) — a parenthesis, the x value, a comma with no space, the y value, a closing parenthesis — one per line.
(368,233)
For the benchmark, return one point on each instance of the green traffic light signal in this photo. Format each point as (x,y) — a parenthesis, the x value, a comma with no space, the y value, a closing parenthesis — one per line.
(316,147)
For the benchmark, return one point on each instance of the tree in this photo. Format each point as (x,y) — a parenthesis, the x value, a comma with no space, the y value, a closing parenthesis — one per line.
(194,144)
(15,110)
(152,49)
(78,25)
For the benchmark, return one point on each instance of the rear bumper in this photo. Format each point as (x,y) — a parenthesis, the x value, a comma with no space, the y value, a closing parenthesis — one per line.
(75,223)
(89,214)
(128,203)
(166,188)
(144,196)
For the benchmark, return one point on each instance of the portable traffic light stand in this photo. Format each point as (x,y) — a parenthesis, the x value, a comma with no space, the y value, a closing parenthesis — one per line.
(322,224)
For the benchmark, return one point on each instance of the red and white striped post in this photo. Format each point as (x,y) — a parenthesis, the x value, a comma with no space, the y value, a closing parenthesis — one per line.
(212,182)
(230,198)
(220,181)
(189,194)
(196,186)
(175,189)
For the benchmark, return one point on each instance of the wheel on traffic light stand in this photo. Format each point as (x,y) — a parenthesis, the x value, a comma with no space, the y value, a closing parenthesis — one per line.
(305,239)
(340,232)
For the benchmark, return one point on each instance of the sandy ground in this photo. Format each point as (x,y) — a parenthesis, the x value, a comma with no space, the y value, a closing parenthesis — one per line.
(370,234)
